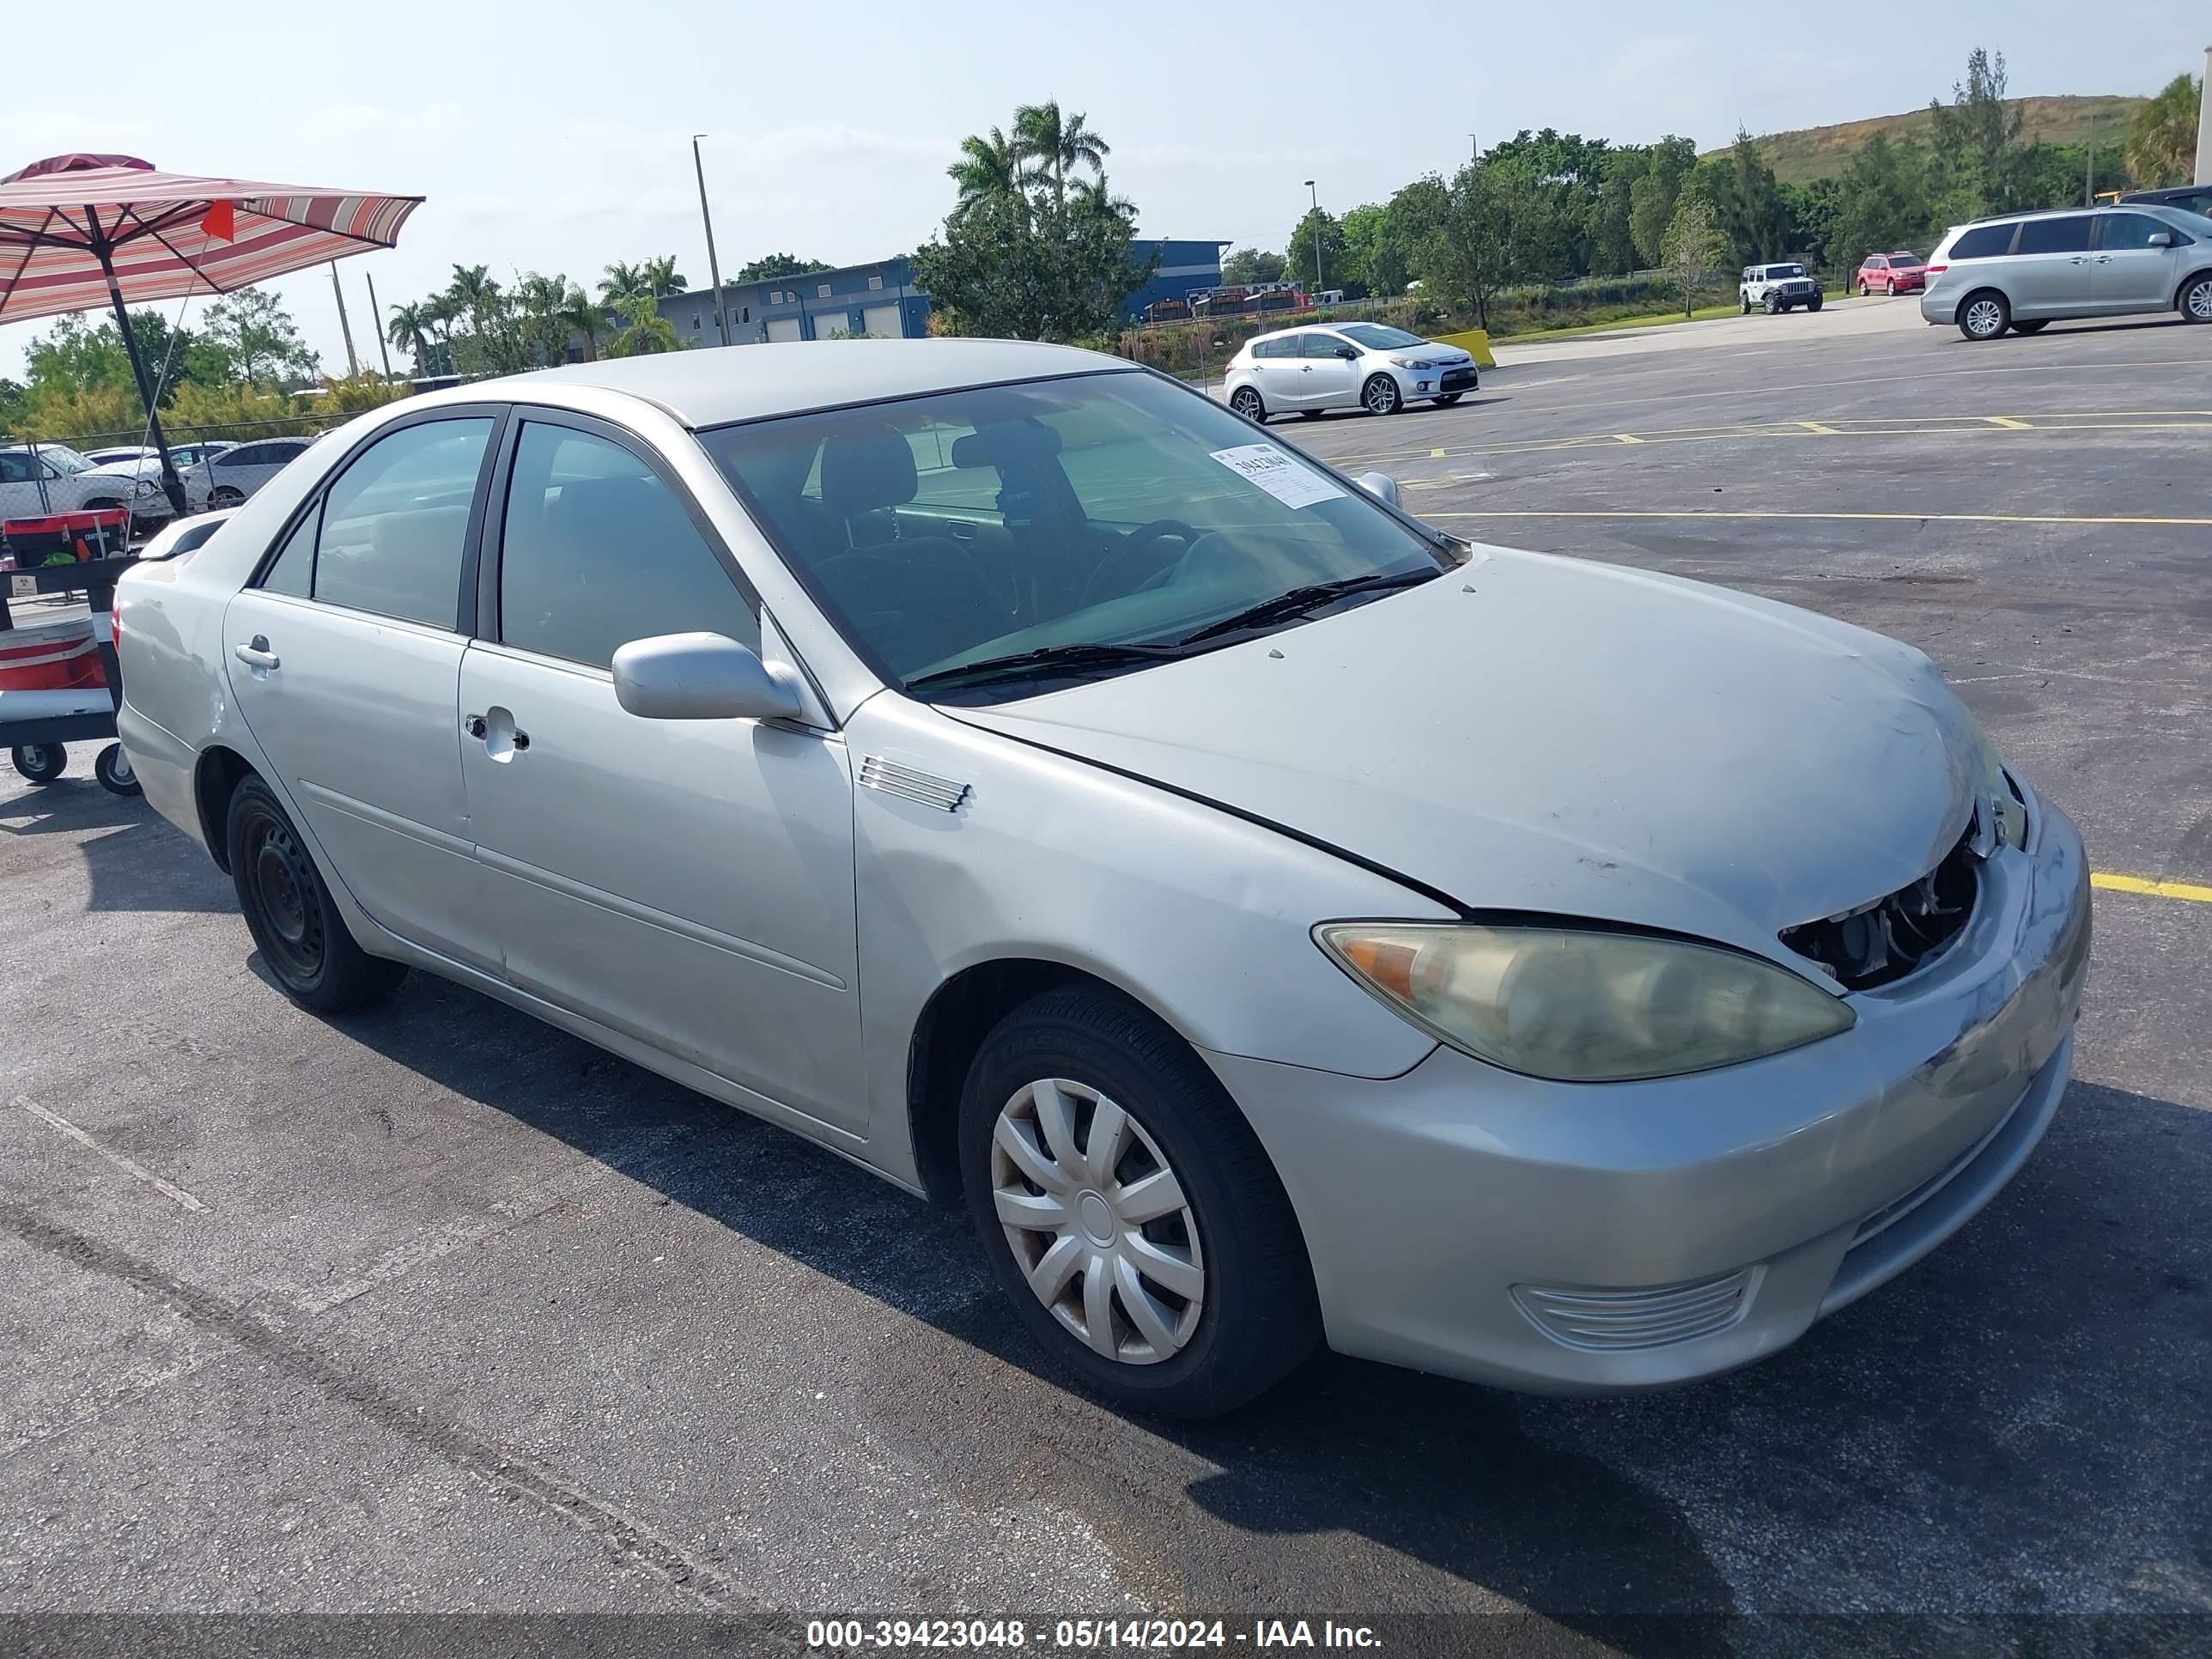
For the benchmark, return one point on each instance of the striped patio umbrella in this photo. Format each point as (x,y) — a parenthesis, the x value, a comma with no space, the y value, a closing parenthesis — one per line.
(76,230)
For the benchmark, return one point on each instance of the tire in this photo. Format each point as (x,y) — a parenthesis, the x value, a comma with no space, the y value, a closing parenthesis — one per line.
(1864,287)
(1772,303)
(113,769)
(1246,402)
(1233,1239)
(102,504)
(2035,327)
(39,763)
(288,910)
(1381,396)
(1984,314)
(225,495)
(1747,304)
(1310,414)
(2195,300)
(1814,304)
(1449,399)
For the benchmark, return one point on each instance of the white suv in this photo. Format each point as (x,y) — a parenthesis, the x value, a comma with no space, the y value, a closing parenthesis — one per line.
(1778,288)
(1368,366)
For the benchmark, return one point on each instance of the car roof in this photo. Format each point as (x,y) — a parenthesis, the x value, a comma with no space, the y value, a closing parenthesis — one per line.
(714,386)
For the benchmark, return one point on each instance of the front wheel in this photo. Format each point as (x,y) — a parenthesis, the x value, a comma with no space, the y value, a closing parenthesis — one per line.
(114,770)
(1381,396)
(1865,288)
(1984,316)
(39,763)
(1772,303)
(2197,299)
(1128,1211)
(289,912)
(1814,304)
(1246,402)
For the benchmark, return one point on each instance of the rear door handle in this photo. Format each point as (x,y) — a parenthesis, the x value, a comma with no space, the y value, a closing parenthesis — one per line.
(257,654)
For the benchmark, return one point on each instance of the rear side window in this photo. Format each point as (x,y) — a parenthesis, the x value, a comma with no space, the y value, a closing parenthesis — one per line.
(1983,242)
(396,520)
(596,551)
(2069,234)
(1285,347)
(1875,262)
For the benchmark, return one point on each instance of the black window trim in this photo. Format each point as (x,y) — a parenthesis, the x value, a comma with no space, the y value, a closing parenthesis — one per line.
(487,617)
(500,415)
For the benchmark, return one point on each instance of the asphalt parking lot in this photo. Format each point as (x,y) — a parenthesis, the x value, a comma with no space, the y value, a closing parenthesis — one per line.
(437,1310)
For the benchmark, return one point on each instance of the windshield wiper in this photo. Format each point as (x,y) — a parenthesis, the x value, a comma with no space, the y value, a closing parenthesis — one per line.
(1081,654)
(1299,601)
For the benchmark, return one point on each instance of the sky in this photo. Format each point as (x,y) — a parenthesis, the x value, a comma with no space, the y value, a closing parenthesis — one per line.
(555,136)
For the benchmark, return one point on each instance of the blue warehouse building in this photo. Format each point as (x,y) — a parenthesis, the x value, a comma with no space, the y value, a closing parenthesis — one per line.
(880,299)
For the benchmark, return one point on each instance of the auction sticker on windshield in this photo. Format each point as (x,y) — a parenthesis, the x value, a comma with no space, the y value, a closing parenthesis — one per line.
(1277,474)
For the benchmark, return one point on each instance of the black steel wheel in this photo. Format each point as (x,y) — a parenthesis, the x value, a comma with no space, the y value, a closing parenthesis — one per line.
(40,763)
(289,912)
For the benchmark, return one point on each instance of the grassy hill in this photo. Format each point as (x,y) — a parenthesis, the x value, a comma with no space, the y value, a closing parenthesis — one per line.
(1811,152)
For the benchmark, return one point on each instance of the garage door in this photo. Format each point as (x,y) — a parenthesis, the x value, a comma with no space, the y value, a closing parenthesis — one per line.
(883,322)
(783,328)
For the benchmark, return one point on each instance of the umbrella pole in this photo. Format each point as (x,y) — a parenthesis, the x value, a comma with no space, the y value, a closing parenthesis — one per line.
(171,484)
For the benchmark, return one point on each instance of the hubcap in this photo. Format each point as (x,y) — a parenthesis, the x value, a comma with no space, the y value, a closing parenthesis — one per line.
(2200,301)
(1982,316)
(1381,396)
(1097,1221)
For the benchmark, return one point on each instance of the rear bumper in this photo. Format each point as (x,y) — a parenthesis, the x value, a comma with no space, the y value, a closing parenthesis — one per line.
(1938,307)
(1569,1239)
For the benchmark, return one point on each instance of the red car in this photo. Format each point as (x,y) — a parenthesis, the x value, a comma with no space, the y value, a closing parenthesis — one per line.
(1901,272)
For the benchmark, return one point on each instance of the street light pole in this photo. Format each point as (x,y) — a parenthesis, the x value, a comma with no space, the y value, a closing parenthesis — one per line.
(1317,212)
(714,269)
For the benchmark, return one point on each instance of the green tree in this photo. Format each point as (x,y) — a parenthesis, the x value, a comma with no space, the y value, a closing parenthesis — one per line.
(579,314)
(662,276)
(2161,145)
(989,171)
(1052,145)
(778,264)
(1693,248)
(258,339)
(1880,201)
(1976,144)
(621,283)
(412,329)
(1747,203)
(645,331)
(1031,271)
(1456,235)
(1652,197)
(1374,251)
(1246,265)
(1315,252)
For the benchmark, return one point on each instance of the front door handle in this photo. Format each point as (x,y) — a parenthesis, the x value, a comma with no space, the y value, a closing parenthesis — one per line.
(496,729)
(256,654)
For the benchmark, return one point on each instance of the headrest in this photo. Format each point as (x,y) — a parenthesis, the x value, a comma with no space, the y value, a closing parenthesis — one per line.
(866,469)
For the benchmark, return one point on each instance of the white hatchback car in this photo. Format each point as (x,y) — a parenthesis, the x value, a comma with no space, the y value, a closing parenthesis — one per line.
(1369,366)
(228,477)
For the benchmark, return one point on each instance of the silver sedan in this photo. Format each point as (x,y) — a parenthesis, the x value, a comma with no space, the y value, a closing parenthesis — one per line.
(1276,921)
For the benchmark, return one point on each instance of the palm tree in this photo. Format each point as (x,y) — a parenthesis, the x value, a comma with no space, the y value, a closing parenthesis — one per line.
(661,275)
(473,291)
(579,314)
(541,296)
(1053,144)
(2162,141)
(622,282)
(989,170)
(1096,195)
(648,331)
(409,330)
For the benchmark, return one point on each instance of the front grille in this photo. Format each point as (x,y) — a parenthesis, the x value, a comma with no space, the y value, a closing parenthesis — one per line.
(1613,1320)
(1900,933)
(1457,378)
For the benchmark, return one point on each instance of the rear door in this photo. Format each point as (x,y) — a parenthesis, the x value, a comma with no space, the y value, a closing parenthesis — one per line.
(1875,273)
(2047,274)
(345,659)
(687,883)
(2126,272)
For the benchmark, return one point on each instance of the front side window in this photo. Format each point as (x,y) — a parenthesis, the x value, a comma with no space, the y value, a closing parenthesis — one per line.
(2066,235)
(16,469)
(1378,336)
(1322,345)
(2122,231)
(1128,520)
(396,522)
(596,551)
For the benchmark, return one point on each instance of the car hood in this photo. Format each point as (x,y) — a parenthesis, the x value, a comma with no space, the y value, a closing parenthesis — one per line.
(1542,734)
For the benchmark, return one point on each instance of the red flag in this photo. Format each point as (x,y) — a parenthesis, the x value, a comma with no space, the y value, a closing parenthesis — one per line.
(221,220)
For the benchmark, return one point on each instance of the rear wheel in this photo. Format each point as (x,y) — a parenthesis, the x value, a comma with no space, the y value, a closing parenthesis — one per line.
(1246,402)
(1381,396)
(39,763)
(1747,304)
(224,495)
(2197,299)
(289,912)
(1984,316)
(1128,1211)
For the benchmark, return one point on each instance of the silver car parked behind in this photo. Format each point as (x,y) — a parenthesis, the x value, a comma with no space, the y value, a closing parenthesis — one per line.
(1275,920)
(2026,271)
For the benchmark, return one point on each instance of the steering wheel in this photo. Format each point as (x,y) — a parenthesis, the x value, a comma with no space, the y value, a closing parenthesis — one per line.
(1109,580)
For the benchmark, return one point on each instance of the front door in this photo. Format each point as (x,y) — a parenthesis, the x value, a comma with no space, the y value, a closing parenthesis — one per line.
(687,883)
(1330,379)
(344,658)
(2048,274)
(2126,272)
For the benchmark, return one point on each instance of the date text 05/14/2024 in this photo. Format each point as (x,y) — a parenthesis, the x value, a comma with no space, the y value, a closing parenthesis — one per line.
(1086,1635)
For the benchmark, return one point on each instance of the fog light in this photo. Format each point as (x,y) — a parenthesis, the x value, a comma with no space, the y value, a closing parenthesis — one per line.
(1421,386)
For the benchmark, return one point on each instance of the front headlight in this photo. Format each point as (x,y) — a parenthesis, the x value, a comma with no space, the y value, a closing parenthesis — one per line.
(145,486)
(1582,1007)
(1413,363)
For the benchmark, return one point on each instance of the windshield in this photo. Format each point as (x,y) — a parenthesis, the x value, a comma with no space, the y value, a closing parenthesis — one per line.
(1377,336)
(62,458)
(1108,510)
(1774,271)
(1905,256)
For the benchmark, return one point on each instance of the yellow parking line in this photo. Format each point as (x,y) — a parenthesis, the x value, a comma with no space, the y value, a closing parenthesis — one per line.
(1626,438)
(2172,889)
(1887,518)
(2006,421)
(1817,429)
(1436,455)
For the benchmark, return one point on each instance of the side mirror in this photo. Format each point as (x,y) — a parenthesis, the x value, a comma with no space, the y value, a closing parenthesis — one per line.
(1381,485)
(700,676)
(2162,239)
(1347,352)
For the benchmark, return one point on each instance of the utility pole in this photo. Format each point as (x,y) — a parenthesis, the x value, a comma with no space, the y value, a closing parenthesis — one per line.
(2204,124)
(353,365)
(1317,211)
(714,270)
(376,318)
